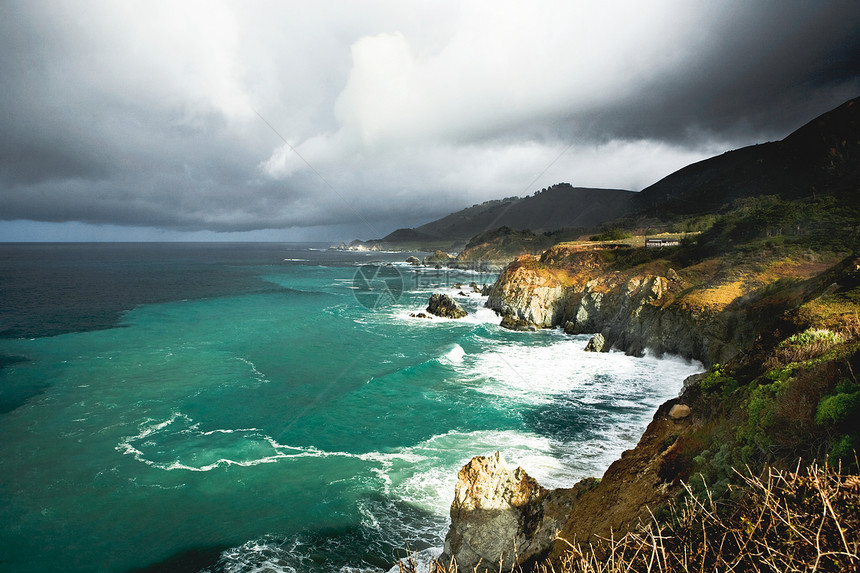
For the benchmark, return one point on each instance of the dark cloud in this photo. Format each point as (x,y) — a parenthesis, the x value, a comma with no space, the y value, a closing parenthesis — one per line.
(147,115)
(757,73)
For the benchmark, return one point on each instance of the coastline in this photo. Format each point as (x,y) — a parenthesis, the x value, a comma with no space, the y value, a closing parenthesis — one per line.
(645,307)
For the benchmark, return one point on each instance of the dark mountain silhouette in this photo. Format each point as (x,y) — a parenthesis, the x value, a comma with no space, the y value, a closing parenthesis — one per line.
(822,157)
(550,209)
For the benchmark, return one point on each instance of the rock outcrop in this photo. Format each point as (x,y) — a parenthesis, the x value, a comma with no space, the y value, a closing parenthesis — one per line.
(502,514)
(527,296)
(445,306)
(438,258)
(597,344)
(512,323)
(497,515)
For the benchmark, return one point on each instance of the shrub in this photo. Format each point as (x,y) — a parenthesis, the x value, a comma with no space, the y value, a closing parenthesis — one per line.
(718,381)
(805,345)
(811,336)
(838,409)
(614,234)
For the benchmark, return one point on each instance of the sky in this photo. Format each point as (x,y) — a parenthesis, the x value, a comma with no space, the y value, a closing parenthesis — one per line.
(335,120)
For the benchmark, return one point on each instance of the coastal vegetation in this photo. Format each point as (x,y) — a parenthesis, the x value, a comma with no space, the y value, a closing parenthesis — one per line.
(804,519)
(781,520)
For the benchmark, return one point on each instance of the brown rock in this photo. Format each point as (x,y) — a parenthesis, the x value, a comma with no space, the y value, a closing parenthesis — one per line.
(445,306)
(514,323)
(597,344)
(679,411)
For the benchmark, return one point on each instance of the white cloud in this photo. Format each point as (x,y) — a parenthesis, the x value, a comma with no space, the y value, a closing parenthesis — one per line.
(509,63)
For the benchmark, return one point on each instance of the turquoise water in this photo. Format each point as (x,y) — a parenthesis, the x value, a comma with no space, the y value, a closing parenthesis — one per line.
(279,418)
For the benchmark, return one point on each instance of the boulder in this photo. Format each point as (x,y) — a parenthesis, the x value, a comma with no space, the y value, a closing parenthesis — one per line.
(514,323)
(597,344)
(495,516)
(445,306)
(414,261)
(679,411)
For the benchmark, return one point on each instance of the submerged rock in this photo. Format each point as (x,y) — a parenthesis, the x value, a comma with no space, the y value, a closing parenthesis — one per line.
(445,306)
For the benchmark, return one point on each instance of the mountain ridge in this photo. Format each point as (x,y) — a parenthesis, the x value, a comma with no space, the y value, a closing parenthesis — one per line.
(821,156)
(553,208)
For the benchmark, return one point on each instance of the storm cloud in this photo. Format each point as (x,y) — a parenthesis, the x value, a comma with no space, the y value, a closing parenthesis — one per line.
(344,119)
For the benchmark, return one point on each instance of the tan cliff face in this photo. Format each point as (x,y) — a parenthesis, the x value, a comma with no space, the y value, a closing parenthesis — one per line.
(497,514)
(630,310)
(704,312)
(526,295)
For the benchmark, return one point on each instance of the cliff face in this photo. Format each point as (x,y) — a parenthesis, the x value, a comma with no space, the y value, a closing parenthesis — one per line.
(526,295)
(497,514)
(706,312)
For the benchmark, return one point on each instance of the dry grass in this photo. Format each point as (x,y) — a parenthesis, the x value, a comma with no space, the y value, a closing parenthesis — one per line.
(780,522)
(785,521)
(715,298)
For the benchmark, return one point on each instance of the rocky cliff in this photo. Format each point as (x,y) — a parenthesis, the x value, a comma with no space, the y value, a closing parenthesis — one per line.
(502,515)
(521,292)
(638,301)
(762,406)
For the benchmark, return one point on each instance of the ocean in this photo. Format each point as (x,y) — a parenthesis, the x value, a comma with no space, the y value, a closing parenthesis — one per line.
(274,407)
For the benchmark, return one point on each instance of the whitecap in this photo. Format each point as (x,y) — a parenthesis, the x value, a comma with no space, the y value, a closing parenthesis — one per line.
(257,374)
(538,373)
(455,355)
(173,443)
